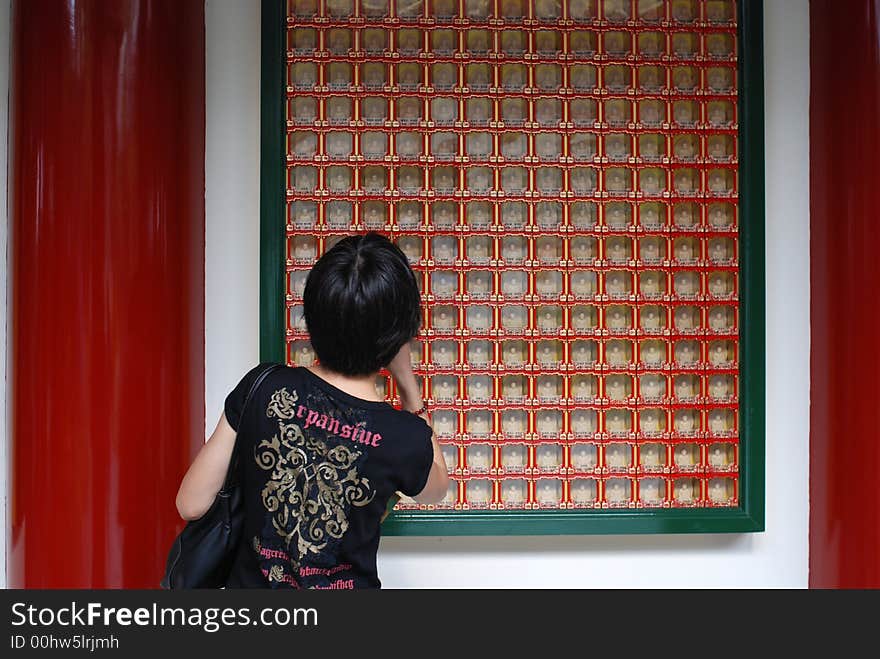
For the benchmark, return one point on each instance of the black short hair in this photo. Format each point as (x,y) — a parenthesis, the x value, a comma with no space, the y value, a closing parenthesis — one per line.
(361,304)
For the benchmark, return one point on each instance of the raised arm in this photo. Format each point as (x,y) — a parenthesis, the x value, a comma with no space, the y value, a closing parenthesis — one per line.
(411,400)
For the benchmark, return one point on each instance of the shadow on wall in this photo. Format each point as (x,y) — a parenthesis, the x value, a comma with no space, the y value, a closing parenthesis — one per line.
(624,544)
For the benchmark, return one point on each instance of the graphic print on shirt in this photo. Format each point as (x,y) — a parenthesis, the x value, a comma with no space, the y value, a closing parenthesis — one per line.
(315,479)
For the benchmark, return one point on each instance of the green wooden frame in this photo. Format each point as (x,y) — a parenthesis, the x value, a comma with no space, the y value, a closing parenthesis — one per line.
(749,515)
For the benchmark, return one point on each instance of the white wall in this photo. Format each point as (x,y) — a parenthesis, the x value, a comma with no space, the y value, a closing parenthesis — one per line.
(777,557)
(232,198)
(4,271)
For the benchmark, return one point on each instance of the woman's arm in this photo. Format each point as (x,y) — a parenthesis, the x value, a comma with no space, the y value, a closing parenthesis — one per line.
(438,480)
(411,400)
(207,473)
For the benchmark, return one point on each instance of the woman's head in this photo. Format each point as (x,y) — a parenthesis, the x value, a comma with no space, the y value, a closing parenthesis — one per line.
(361,304)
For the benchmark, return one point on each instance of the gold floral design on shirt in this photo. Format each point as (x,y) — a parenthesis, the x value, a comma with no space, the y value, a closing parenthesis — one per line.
(312,484)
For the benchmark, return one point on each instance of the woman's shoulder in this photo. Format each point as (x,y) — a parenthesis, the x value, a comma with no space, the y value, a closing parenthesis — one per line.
(268,369)
(274,376)
(302,380)
(250,385)
(406,423)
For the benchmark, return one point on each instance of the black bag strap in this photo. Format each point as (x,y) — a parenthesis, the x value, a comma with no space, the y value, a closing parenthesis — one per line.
(233,461)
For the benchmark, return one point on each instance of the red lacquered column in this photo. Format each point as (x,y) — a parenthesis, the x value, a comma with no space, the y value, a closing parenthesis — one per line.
(107,261)
(845,291)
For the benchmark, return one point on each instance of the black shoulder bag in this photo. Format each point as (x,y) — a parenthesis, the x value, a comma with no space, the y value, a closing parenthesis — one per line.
(203,553)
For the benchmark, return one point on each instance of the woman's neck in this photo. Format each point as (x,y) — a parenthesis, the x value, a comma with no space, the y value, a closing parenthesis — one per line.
(359,386)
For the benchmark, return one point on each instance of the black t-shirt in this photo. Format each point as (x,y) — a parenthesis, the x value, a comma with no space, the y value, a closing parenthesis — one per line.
(317,468)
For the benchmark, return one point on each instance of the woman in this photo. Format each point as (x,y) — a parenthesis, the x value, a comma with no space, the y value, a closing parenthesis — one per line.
(320,452)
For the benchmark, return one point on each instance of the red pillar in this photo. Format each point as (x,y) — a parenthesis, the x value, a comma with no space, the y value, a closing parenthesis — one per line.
(845,291)
(106,187)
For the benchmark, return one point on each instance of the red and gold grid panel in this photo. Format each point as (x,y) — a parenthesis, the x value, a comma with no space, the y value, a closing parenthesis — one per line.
(563,178)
